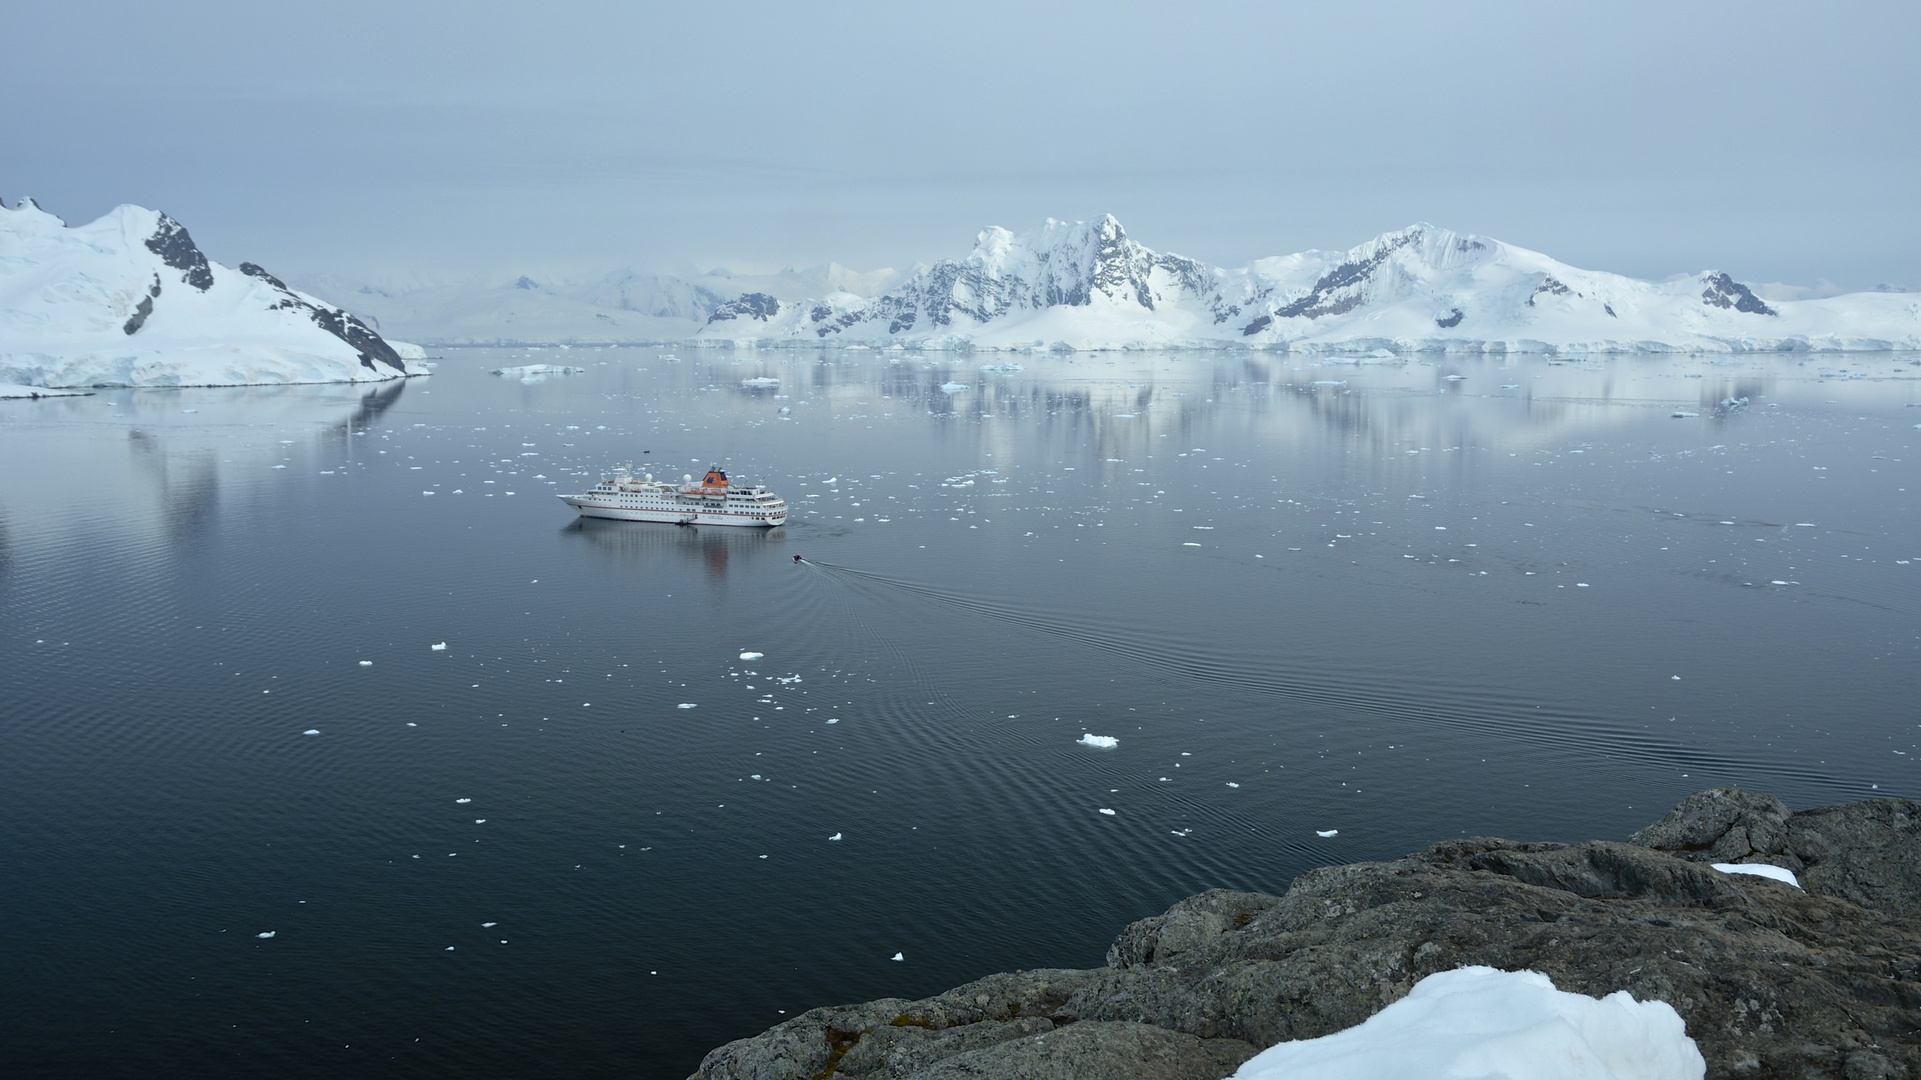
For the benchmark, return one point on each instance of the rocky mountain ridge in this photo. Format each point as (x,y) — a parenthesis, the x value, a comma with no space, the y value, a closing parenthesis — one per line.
(1087,285)
(1772,981)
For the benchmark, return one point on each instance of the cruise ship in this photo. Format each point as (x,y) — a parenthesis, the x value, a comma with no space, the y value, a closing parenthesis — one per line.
(711,501)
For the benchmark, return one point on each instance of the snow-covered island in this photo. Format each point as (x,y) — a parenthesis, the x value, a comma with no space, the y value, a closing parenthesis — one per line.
(1085,285)
(128,300)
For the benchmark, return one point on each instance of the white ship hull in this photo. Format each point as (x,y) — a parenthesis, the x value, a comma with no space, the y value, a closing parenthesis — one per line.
(672,515)
(712,501)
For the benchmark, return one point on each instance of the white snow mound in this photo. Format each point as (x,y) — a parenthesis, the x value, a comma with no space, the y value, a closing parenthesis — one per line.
(1777,873)
(128,300)
(1477,1023)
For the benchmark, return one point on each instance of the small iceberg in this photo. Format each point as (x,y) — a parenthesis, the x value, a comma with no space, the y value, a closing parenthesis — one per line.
(311,731)
(1328,833)
(687,705)
(751,655)
(954,387)
(760,382)
(268,934)
(1102,742)
(1107,812)
(898,957)
(366,663)
(439,646)
(1683,414)
(1000,369)
(836,836)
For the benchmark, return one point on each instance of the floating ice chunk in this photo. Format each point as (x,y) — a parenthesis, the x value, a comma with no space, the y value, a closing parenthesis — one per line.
(1682,414)
(1104,742)
(762,382)
(536,371)
(1454,378)
(898,956)
(751,655)
(463,802)
(266,934)
(439,646)
(1477,1021)
(1231,783)
(366,663)
(954,387)
(487,925)
(1106,811)
(687,705)
(311,731)
(1001,369)
(1777,873)
(1190,543)
(836,836)
(450,948)
(834,720)
(1327,833)
(480,821)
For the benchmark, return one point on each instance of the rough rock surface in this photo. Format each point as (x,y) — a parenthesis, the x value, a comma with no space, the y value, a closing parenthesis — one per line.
(1772,981)
(1868,852)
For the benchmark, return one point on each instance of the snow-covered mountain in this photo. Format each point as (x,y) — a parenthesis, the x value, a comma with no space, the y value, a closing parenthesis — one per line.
(624,307)
(128,300)
(1087,285)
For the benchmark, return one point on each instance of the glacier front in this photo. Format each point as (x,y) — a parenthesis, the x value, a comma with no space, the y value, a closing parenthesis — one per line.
(129,300)
(1085,285)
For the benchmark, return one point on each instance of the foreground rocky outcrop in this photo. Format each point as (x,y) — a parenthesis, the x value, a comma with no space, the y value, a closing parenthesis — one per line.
(1772,981)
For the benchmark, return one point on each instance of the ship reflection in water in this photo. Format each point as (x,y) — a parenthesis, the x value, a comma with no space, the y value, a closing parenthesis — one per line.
(627,541)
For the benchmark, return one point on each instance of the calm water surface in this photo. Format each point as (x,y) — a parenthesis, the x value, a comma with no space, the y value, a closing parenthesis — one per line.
(1403,601)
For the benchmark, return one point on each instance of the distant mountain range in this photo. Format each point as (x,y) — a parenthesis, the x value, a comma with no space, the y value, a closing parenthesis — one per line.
(1086,285)
(623,307)
(129,300)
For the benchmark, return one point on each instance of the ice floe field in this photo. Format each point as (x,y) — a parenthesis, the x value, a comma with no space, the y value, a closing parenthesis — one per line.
(333,743)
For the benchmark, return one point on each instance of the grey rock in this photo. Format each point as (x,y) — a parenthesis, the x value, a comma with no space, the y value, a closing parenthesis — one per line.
(1771,980)
(1866,852)
(1097,1051)
(1721,825)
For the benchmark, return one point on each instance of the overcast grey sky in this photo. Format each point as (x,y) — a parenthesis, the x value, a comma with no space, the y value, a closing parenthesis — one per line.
(1777,141)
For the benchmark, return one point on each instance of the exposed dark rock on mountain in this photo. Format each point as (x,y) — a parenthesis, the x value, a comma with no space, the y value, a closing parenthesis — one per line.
(1772,981)
(747,306)
(175,248)
(1722,291)
(373,349)
(1550,286)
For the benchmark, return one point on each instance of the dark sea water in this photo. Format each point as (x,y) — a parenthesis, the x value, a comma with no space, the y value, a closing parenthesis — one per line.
(1304,596)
